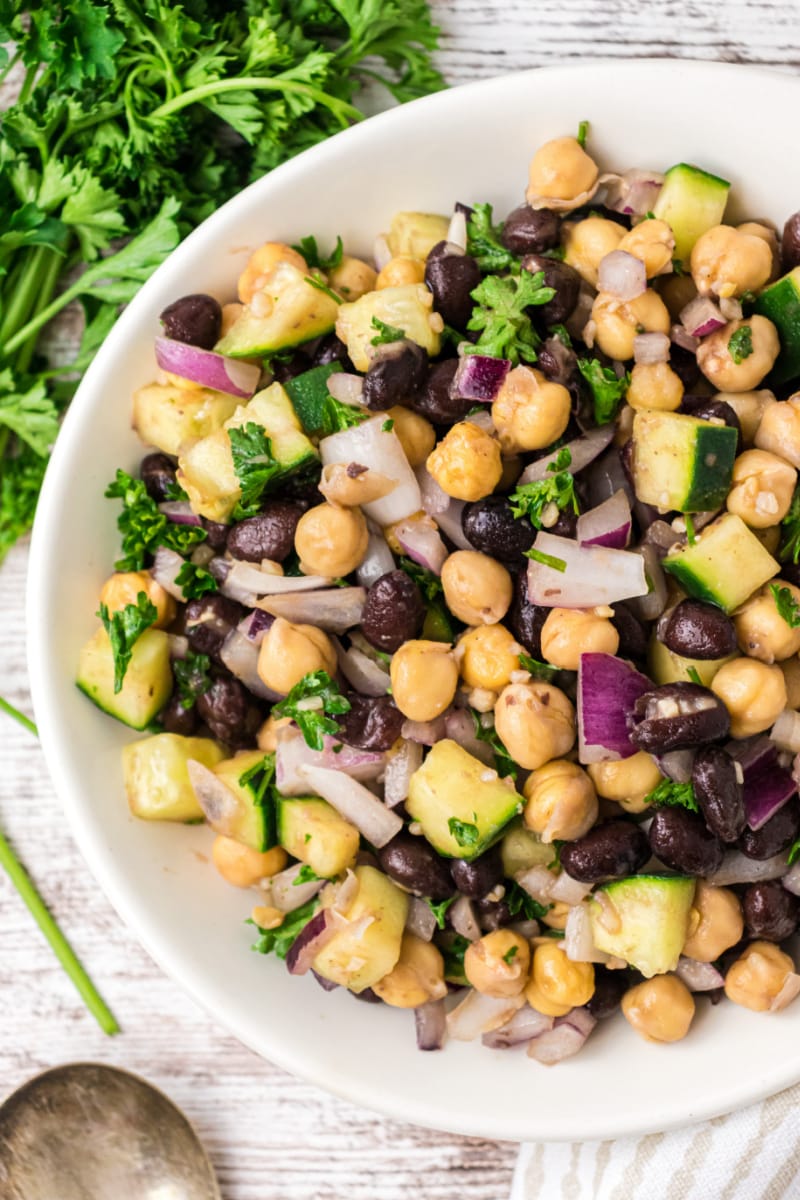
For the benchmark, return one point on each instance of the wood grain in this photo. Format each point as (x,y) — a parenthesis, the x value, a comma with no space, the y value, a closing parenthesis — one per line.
(273,1137)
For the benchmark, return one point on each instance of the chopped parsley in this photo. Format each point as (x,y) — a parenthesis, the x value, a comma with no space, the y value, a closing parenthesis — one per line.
(510,954)
(278,941)
(504,763)
(387,426)
(501,315)
(310,252)
(322,286)
(790,547)
(309,704)
(740,344)
(254,464)
(532,499)
(583,133)
(337,416)
(438,625)
(547,560)
(607,390)
(562,333)
(453,950)
(386,333)
(539,670)
(429,584)
(521,904)
(794,852)
(144,527)
(465,833)
(192,677)
(677,795)
(260,782)
(694,675)
(483,242)
(440,909)
(195,581)
(306,874)
(787,606)
(124,628)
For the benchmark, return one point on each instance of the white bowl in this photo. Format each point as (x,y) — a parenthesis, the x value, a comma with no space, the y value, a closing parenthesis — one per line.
(469,144)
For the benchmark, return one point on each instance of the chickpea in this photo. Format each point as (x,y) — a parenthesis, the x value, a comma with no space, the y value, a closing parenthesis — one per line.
(530,411)
(417,976)
(399,271)
(790,669)
(750,408)
(715,361)
(618,321)
(727,262)
(417,436)
(562,802)
(262,262)
(353,278)
(230,315)
(488,656)
(586,243)
(477,588)
(288,652)
(570,632)
(753,693)
(535,722)
(556,915)
(715,922)
(762,632)
(768,234)
(267,917)
(655,385)
(757,977)
(348,485)
(779,429)
(627,781)
(762,487)
(243,867)
(770,539)
(267,736)
(124,588)
(676,291)
(424,679)
(561,175)
(331,541)
(498,963)
(557,984)
(466,464)
(660,1009)
(653,242)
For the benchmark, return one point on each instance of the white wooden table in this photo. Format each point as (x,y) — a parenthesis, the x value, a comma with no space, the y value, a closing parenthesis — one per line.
(272,1137)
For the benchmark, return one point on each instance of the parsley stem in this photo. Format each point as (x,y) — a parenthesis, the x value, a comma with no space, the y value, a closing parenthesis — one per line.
(24,295)
(58,943)
(340,108)
(9,67)
(48,278)
(16,715)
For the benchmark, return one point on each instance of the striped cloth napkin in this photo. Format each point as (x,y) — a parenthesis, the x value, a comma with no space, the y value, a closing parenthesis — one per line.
(753,1154)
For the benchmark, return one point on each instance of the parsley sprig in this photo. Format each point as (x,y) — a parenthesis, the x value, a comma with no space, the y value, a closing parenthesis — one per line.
(386,333)
(192,677)
(255,466)
(195,581)
(531,499)
(465,833)
(439,910)
(144,527)
(484,244)
(678,795)
(503,761)
(607,390)
(315,259)
(787,606)
(521,904)
(278,941)
(124,628)
(740,344)
(500,314)
(310,704)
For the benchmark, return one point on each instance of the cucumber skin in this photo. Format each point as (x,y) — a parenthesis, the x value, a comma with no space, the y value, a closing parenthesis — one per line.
(682,183)
(710,484)
(780,303)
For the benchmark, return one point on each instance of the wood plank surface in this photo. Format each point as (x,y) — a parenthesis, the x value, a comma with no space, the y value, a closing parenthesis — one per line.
(273,1137)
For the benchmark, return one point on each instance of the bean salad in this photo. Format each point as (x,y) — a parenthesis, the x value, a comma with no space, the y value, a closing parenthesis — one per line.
(459,596)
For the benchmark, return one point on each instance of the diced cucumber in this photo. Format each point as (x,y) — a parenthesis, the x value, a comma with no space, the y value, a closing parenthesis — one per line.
(780,302)
(726,564)
(311,830)
(521,849)
(460,810)
(146,687)
(644,920)
(681,462)
(690,201)
(170,417)
(156,779)
(299,312)
(308,393)
(205,472)
(249,821)
(357,956)
(409,308)
(665,667)
(416,233)
(272,409)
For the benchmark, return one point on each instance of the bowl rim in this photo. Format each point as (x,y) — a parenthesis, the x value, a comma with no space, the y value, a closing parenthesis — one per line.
(54,734)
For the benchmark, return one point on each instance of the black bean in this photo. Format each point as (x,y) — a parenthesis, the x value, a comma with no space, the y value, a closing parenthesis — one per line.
(708,409)
(524,619)
(790,243)
(565,525)
(677,716)
(395,375)
(195,319)
(529,230)
(492,914)
(229,712)
(609,988)
(331,349)
(694,629)
(216,534)
(209,620)
(491,527)
(475,879)
(609,851)
(452,276)
(684,364)
(719,792)
(393,612)
(565,281)
(776,835)
(284,370)
(157,473)
(373,723)
(682,842)
(177,719)
(633,636)
(770,911)
(415,865)
(434,401)
(268,535)
(790,573)
(557,362)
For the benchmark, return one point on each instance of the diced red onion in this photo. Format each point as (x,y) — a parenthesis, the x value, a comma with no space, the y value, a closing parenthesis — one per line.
(765,792)
(377,823)
(463,919)
(327,985)
(786,731)
(633,193)
(345,892)
(179,512)
(578,940)
(525,1024)
(460,727)
(240,656)
(478,1014)
(651,605)
(754,754)
(215,371)
(592,575)
(677,765)
(457,230)
(479,377)
(583,450)
(681,337)
(166,567)
(420,920)
(651,348)
(731,308)
(578,319)
(312,938)
(178,645)
(292,753)
(378,560)
(566,1038)
(247,583)
(701,316)
(608,688)
(737,868)
(399,769)
(791,880)
(622,275)
(422,544)
(286,894)
(569,890)
(538,882)
(362,672)
(607,525)
(699,976)
(220,805)
(255,625)
(381,450)
(426,732)
(445,511)
(789,992)
(335,609)
(346,388)
(431,1025)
